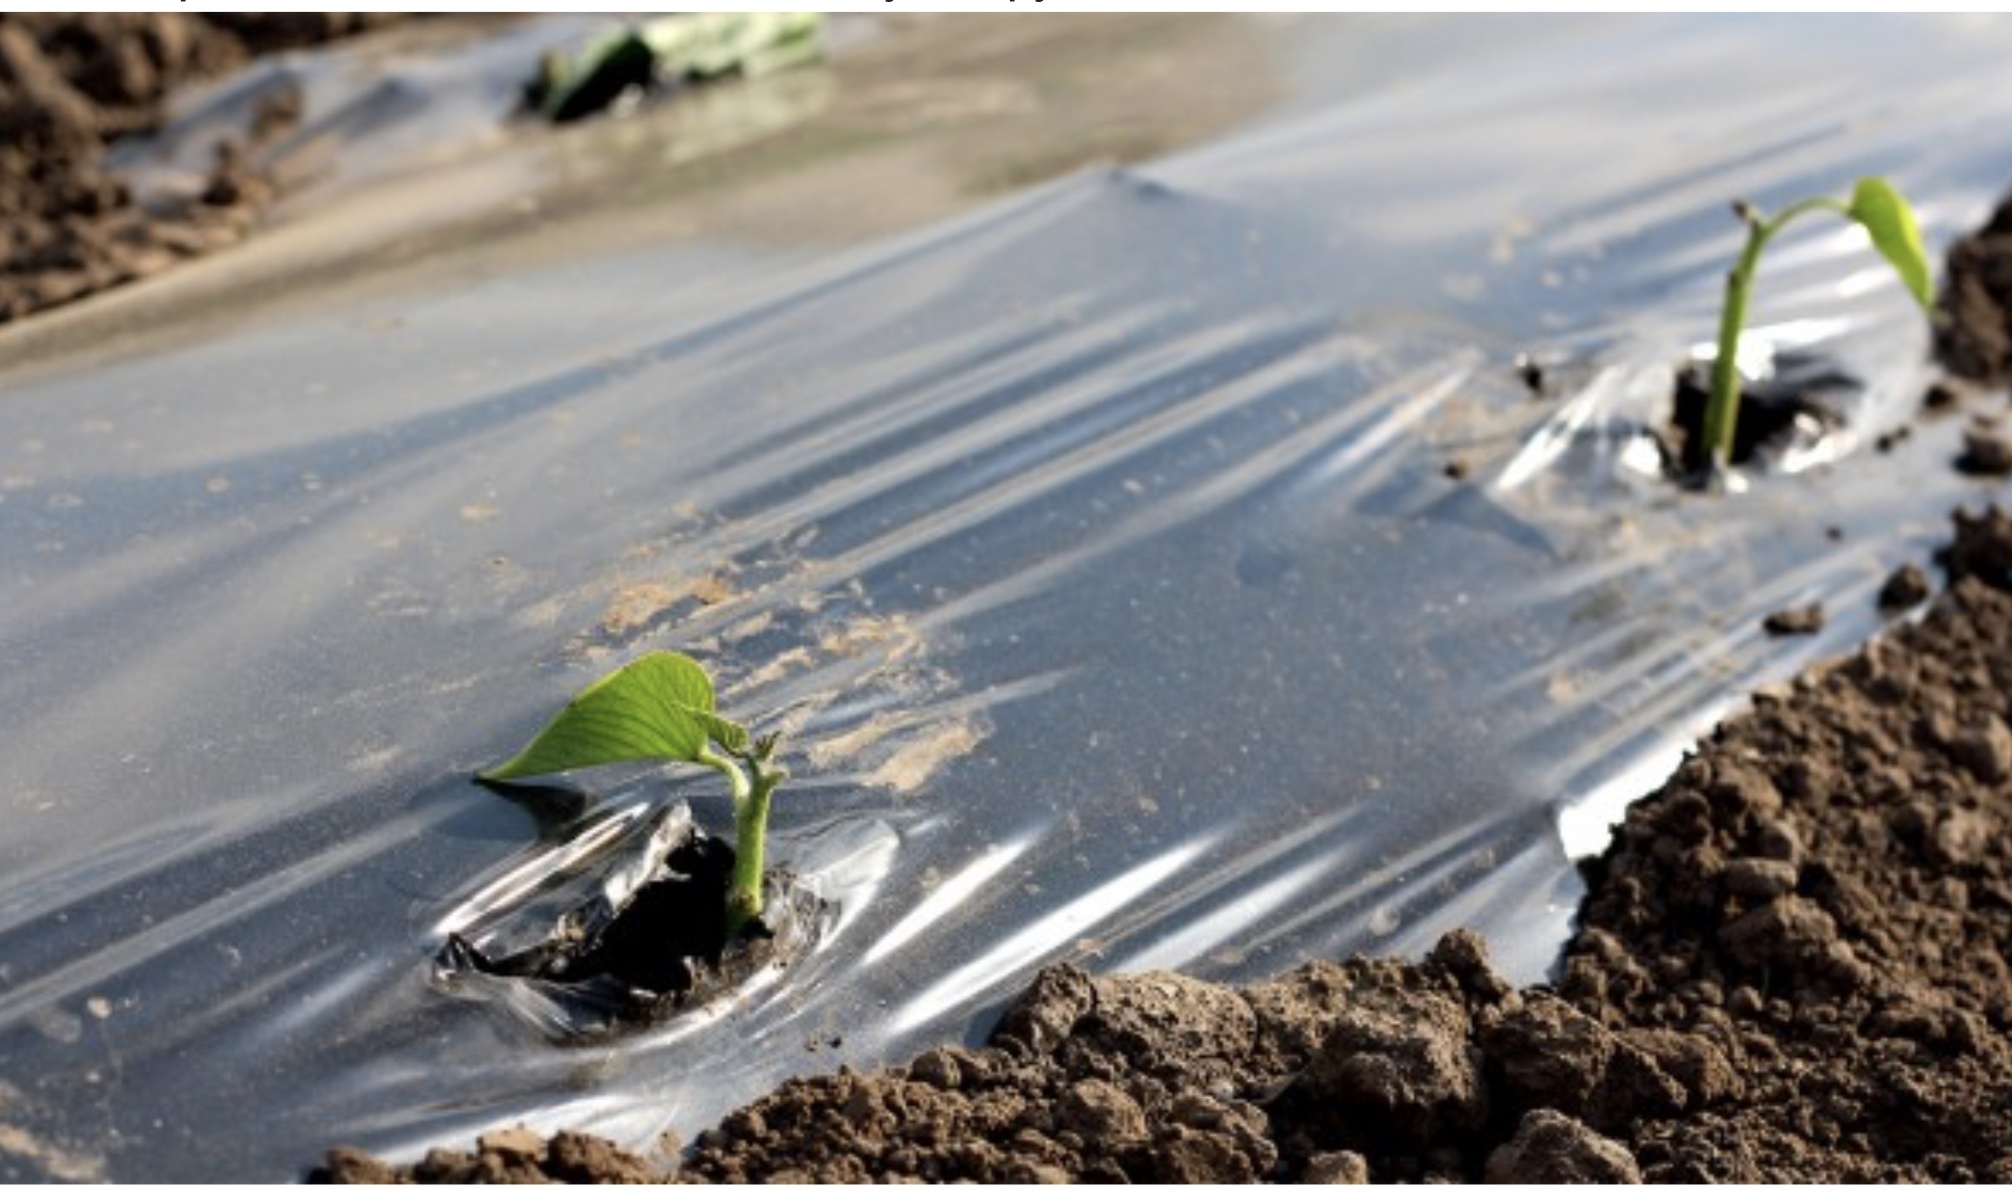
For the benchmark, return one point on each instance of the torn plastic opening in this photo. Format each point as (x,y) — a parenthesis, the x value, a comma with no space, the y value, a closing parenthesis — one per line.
(624,927)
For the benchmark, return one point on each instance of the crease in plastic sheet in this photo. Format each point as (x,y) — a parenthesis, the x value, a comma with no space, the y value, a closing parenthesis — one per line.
(1093,549)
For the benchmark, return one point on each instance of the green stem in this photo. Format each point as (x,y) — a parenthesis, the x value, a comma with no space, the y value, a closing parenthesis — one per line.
(737,779)
(1722,411)
(751,805)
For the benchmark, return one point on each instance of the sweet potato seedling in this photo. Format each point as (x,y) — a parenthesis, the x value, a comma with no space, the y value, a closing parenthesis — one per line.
(660,707)
(1876,207)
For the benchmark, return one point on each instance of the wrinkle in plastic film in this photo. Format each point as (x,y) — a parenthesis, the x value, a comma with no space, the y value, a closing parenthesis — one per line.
(1100,567)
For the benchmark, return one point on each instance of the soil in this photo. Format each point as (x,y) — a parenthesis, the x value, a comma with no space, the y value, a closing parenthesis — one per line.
(1986,451)
(1801,398)
(1796,619)
(1793,963)
(613,963)
(1906,587)
(70,84)
(1974,339)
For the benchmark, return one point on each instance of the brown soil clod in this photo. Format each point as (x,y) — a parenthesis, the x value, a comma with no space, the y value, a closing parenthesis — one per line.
(1973,339)
(1986,453)
(1943,396)
(1796,619)
(1982,548)
(513,1156)
(1551,1148)
(1906,587)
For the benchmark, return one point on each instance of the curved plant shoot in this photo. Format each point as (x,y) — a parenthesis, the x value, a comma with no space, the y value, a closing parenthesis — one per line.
(1876,207)
(660,708)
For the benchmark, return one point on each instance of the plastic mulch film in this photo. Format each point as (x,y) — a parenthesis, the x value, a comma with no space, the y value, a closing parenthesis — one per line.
(1093,548)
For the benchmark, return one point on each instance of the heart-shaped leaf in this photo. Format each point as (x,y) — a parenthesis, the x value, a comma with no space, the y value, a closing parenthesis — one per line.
(658,707)
(1886,216)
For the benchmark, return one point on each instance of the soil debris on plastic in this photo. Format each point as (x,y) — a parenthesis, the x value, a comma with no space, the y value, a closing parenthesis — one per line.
(1795,619)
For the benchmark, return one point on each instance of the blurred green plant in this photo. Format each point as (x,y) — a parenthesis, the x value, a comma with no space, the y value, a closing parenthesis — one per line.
(687,48)
(661,708)
(1878,208)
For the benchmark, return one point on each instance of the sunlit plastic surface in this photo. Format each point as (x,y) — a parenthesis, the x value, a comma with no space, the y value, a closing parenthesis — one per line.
(1092,546)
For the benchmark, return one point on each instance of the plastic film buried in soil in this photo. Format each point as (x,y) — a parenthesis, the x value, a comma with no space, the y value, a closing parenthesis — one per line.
(1093,549)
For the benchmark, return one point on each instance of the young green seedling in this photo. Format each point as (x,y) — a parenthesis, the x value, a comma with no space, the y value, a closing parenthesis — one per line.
(1875,206)
(660,707)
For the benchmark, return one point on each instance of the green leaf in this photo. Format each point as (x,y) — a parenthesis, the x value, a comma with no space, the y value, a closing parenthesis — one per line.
(659,707)
(1877,206)
(691,46)
(709,45)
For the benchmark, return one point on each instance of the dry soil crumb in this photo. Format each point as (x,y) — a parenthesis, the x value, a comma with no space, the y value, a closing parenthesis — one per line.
(1986,453)
(1906,587)
(1798,619)
(1943,396)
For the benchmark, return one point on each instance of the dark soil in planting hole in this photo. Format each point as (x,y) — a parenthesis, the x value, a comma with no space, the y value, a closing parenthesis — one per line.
(663,948)
(672,929)
(1792,965)
(1801,399)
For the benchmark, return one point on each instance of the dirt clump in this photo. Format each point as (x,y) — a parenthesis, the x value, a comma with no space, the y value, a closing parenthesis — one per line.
(1906,587)
(1987,452)
(1796,619)
(1973,339)
(72,83)
(510,1156)
(1552,1148)
(1982,548)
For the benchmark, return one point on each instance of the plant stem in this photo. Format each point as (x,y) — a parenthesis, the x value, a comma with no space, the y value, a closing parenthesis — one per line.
(751,804)
(1722,410)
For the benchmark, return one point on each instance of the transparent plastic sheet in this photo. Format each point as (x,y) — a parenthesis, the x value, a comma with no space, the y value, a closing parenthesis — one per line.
(1092,549)
(399,102)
